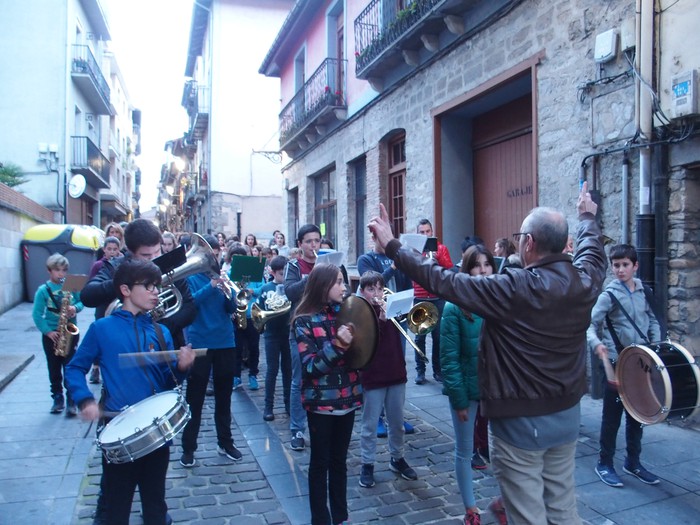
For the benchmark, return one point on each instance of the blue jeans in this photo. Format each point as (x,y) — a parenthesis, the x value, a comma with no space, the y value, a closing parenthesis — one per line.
(464,446)
(297,414)
(276,352)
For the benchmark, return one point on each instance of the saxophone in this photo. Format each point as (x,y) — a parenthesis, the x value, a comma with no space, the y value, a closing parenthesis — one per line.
(66,330)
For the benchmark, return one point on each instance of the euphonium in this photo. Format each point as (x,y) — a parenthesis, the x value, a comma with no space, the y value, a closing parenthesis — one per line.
(66,330)
(243,297)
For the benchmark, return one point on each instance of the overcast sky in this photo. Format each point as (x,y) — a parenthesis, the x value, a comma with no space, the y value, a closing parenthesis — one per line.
(150,41)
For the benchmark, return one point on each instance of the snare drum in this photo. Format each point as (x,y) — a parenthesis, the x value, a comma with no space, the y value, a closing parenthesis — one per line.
(658,382)
(144,427)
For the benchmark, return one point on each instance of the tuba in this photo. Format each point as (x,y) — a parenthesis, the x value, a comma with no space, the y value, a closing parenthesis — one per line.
(200,259)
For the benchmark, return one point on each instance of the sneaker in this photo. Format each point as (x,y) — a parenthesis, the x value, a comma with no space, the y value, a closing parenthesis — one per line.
(230,452)
(607,475)
(236,383)
(408,428)
(367,476)
(298,441)
(420,378)
(187,460)
(401,467)
(381,428)
(642,474)
(472,518)
(499,511)
(95,376)
(253,383)
(484,453)
(58,404)
(268,415)
(478,462)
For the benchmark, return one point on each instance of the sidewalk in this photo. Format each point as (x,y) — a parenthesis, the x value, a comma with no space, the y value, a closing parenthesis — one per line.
(49,472)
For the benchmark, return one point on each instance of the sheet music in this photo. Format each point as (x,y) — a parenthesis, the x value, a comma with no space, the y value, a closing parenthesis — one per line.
(413,240)
(399,303)
(330,257)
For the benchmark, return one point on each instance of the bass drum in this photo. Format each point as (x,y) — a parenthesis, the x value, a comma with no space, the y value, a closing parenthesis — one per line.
(658,382)
(144,427)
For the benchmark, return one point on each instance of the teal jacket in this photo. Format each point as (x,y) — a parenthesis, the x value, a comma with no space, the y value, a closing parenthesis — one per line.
(459,356)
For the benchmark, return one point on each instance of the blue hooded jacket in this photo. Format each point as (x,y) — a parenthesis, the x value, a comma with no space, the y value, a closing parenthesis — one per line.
(126,380)
(212,328)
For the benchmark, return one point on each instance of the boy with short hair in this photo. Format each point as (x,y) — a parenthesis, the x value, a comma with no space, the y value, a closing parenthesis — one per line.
(46,312)
(126,382)
(621,317)
(276,338)
(384,386)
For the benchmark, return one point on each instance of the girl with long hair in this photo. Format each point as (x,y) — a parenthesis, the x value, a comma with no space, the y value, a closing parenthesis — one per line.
(459,349)
(330,391)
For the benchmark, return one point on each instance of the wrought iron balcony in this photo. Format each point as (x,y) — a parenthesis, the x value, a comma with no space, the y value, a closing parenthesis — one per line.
(89,78)
(88,160)
(319,103)
(394,34)
(195,99)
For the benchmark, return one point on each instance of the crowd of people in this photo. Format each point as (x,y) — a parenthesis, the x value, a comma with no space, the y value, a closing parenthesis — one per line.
(509,321)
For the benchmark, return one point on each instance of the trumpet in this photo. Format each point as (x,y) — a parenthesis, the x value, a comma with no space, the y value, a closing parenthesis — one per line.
(421,319)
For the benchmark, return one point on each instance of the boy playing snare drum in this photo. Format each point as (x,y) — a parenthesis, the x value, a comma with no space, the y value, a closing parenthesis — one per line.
(622,316)
(128,380)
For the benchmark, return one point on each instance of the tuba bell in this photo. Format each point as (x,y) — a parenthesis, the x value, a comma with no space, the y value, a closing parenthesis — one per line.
(200,259)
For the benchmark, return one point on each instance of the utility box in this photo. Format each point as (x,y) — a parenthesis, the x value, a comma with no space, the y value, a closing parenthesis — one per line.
(77,243)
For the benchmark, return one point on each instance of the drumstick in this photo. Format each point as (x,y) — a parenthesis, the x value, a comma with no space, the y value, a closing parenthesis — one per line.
(609,372)
(161,355)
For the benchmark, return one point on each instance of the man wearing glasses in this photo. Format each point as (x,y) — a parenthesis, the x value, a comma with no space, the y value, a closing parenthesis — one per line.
(532,363)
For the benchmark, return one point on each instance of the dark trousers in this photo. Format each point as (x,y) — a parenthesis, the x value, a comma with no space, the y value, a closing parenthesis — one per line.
(247,343)
(119,481)
(56,364)
(277,353)
(481,431)
(330,438)
(612,416)
(220,362)
(435,334)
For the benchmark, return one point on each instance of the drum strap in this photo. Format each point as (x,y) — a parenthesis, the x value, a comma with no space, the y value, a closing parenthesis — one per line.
(163,346)
(616,339)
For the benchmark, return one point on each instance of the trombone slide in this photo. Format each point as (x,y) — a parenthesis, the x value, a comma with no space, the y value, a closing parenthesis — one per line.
(408,338)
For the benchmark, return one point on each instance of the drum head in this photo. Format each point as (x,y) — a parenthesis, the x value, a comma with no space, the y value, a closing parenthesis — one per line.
(644,384)
(359,312)
(138,417)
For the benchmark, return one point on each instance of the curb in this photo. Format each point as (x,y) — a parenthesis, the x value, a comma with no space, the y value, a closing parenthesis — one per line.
(4,381)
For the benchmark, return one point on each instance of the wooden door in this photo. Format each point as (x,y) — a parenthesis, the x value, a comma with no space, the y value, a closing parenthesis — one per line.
(504,186)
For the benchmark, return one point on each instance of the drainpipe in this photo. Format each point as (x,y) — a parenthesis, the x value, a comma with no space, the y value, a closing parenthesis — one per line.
(661,212)
(625,198)
(645,218)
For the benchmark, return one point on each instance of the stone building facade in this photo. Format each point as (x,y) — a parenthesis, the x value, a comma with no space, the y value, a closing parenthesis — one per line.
(533,63)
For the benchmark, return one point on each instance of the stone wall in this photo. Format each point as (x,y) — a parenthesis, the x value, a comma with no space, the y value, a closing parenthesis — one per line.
(576,116)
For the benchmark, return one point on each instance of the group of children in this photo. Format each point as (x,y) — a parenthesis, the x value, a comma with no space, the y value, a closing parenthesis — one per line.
(330,390)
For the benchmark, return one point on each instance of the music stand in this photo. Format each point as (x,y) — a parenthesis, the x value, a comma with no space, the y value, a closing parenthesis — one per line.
(74,283)
(247,269)
(171,260)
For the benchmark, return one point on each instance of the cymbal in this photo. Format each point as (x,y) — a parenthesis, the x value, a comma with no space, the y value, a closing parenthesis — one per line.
(359,312)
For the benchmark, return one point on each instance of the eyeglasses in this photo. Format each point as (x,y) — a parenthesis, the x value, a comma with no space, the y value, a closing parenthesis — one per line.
(151,287)
(517,236)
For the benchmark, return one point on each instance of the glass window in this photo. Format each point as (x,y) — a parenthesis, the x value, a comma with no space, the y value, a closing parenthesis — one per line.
(397,183)
(360,173)
(325,205)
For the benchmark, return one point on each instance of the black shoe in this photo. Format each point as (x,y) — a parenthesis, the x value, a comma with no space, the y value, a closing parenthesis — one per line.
(268,415)
(71,409)
(478,462)
(367,476)
(230,452)
(187,460)
(437,377)
(484,453)
(401,467)
(58,404)
(420,378)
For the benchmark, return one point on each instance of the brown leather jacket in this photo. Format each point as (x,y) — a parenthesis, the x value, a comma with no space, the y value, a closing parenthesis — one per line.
(533,344)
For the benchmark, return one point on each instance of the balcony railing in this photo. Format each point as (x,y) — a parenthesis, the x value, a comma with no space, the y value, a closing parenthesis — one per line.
(89,160)
(97,89)
(196,102)
(324,90)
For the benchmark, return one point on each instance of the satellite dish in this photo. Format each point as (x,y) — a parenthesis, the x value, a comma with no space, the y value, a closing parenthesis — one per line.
(76,186)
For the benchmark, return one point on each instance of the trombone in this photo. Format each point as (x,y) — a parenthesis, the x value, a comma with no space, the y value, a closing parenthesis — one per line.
(421,319)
